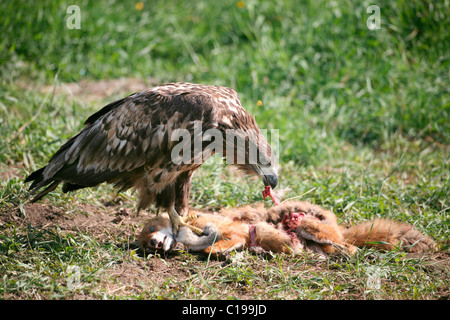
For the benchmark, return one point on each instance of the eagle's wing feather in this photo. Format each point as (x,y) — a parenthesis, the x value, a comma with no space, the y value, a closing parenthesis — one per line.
(123,137)
(111,143)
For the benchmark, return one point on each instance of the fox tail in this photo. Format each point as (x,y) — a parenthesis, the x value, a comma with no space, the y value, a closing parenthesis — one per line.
(386,234)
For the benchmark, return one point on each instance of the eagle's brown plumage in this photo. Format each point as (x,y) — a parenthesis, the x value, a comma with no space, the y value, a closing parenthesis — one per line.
(128,143)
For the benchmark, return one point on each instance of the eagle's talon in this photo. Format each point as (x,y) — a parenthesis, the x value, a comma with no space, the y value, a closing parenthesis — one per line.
(196,230)
(178,221)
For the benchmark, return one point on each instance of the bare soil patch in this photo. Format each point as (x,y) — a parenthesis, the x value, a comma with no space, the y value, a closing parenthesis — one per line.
(103,224)
(94,90)
(9,172)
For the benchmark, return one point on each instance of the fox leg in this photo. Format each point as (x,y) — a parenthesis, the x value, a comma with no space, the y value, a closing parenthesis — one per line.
(196,243)
(328,236)
(227,245)
(271,239)
(313,229)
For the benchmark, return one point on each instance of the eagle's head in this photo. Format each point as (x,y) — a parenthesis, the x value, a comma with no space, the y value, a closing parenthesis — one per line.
(252,154)
(265,166)
(267,170)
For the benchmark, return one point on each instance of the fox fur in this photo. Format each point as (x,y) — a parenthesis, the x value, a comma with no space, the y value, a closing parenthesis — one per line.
(291,227)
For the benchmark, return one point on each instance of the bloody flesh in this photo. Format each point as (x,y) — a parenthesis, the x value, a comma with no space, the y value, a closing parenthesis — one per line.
(292,221)
(268,192)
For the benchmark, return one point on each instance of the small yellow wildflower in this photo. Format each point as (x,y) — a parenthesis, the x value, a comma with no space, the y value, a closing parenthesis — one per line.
(259,103)
(139,6)
(241,4)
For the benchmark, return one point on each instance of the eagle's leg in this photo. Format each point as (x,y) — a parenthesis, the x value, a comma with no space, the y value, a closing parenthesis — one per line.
(178,221)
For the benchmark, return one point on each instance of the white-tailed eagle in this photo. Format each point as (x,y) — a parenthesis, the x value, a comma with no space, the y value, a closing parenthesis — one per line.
(153,141)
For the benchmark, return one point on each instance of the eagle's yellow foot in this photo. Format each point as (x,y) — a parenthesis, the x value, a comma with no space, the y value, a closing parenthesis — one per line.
(178,221)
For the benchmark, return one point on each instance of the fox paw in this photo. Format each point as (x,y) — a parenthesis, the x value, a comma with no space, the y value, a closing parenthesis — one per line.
(178,246)
(209,229)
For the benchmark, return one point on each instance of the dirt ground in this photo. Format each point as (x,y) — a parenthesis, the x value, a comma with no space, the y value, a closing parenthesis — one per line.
(90,90)
(105,225)
(97,222)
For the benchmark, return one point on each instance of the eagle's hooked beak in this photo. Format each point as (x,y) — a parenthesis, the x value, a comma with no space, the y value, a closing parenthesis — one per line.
(268,174)
(270,180)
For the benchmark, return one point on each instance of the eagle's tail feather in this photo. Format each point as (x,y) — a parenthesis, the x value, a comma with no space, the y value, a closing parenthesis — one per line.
(50,188)
(36,177)
(39,182)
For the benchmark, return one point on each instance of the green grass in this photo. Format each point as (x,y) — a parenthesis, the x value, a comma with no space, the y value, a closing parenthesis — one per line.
(363,118)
